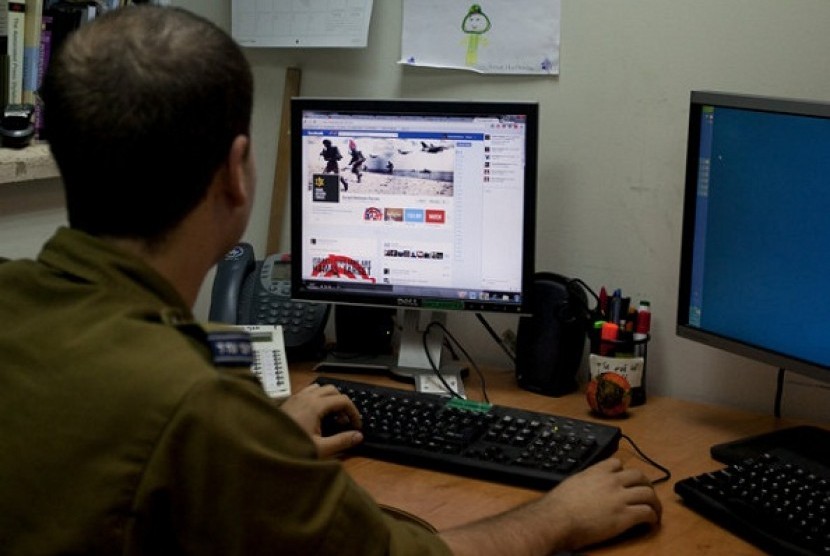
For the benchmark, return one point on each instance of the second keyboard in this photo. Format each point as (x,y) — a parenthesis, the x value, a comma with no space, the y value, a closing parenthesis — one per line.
(779,501)
(504,444)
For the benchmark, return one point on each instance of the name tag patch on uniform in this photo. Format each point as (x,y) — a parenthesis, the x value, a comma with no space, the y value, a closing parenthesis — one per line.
(231,349)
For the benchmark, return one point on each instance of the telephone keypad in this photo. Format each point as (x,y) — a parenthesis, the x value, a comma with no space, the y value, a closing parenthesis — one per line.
(295,317)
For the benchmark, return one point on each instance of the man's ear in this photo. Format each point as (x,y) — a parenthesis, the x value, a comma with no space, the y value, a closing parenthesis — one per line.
(239,171)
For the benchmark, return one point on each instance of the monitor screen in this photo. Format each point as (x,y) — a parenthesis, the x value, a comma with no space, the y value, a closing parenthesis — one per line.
(420,204)
(756,240)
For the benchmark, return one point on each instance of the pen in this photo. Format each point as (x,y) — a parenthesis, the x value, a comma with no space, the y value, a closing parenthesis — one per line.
(625,303)
(631,319)
(603,302)
(643,327)
(615,307)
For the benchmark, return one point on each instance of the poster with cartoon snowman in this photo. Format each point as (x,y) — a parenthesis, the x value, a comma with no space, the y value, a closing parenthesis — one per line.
(487,36)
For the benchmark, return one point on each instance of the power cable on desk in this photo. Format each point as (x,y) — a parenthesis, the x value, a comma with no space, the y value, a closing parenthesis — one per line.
(665,470)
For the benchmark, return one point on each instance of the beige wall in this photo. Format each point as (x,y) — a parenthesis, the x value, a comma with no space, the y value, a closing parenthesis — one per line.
(611,155)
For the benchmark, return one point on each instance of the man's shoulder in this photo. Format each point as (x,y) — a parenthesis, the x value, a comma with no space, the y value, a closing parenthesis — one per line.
(162,364)
(184,341)
(9,264)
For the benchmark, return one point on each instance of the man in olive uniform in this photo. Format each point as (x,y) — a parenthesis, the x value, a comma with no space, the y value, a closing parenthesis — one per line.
(128,428)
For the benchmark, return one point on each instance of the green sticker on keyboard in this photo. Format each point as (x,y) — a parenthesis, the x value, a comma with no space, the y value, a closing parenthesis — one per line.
(469,405)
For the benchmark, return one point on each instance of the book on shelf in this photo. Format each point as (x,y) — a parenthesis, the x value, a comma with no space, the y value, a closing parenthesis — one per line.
(45,53)
(15,21)
(31,49)
(4,53)
(59,19)
(66,17)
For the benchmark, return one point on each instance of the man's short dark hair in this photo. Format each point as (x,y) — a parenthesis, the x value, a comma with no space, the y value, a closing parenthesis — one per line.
(141,106)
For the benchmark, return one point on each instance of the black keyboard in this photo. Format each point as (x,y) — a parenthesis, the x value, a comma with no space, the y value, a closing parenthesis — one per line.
(778,501)
(498,443)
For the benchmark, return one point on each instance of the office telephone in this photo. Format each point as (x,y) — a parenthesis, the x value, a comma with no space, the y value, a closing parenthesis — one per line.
(251,292)
(270,365)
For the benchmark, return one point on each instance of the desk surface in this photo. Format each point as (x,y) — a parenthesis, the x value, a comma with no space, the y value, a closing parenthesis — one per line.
(675,433)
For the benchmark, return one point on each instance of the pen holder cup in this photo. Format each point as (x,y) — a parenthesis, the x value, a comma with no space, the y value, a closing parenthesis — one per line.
(624,357)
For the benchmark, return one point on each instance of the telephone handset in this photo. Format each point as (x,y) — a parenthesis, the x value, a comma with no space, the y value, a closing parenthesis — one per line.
(247,291)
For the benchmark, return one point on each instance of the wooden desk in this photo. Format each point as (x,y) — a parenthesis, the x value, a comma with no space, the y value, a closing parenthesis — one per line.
(675,433)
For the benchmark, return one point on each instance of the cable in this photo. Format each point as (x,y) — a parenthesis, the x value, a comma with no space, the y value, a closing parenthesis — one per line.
(595,313)
(779,392)
(437,371)
(496,337)
(585,286)
(665,470)
(451,349)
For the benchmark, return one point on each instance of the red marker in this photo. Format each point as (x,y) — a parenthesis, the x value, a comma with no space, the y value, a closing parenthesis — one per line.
(643,321)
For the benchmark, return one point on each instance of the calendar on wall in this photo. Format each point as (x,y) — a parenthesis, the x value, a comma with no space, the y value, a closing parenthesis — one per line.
(301,23)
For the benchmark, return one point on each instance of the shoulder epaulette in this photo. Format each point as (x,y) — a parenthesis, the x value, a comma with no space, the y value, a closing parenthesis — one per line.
(229,345)
(231,348)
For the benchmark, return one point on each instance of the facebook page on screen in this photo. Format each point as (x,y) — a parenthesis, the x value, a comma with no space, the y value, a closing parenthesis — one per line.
(413,204)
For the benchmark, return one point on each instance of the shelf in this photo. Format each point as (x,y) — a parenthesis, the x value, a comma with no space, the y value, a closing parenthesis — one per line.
(32,163)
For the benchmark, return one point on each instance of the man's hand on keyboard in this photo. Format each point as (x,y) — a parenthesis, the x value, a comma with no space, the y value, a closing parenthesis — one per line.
(308,407)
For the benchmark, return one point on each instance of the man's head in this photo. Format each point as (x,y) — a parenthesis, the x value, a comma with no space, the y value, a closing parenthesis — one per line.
(141,107)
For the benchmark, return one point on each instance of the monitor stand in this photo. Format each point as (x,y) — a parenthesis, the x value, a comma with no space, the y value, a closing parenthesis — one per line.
(411,362)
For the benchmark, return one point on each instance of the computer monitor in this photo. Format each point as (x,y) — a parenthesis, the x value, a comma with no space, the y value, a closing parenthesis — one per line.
(425,205)
(756,230)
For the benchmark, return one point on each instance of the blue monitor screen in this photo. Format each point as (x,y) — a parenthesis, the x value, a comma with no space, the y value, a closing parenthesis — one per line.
(756,238)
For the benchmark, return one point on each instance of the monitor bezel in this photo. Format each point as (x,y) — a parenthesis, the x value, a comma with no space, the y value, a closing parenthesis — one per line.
(697,101)
(433,107)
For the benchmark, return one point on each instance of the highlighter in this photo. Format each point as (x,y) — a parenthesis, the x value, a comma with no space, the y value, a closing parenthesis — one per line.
(608,338)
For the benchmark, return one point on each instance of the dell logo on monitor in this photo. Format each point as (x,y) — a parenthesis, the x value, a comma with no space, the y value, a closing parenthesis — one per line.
(408,302)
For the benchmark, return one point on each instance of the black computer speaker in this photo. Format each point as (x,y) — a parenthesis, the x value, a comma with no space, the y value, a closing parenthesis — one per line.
(550,342)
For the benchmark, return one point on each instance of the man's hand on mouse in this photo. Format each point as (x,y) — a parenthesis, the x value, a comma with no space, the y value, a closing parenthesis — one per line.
(308,407)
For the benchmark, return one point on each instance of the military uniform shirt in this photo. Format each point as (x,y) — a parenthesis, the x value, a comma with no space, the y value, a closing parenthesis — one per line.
(118,435)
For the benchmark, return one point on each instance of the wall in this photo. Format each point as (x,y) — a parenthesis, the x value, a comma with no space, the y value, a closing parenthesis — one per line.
(612,149)
(29,213)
